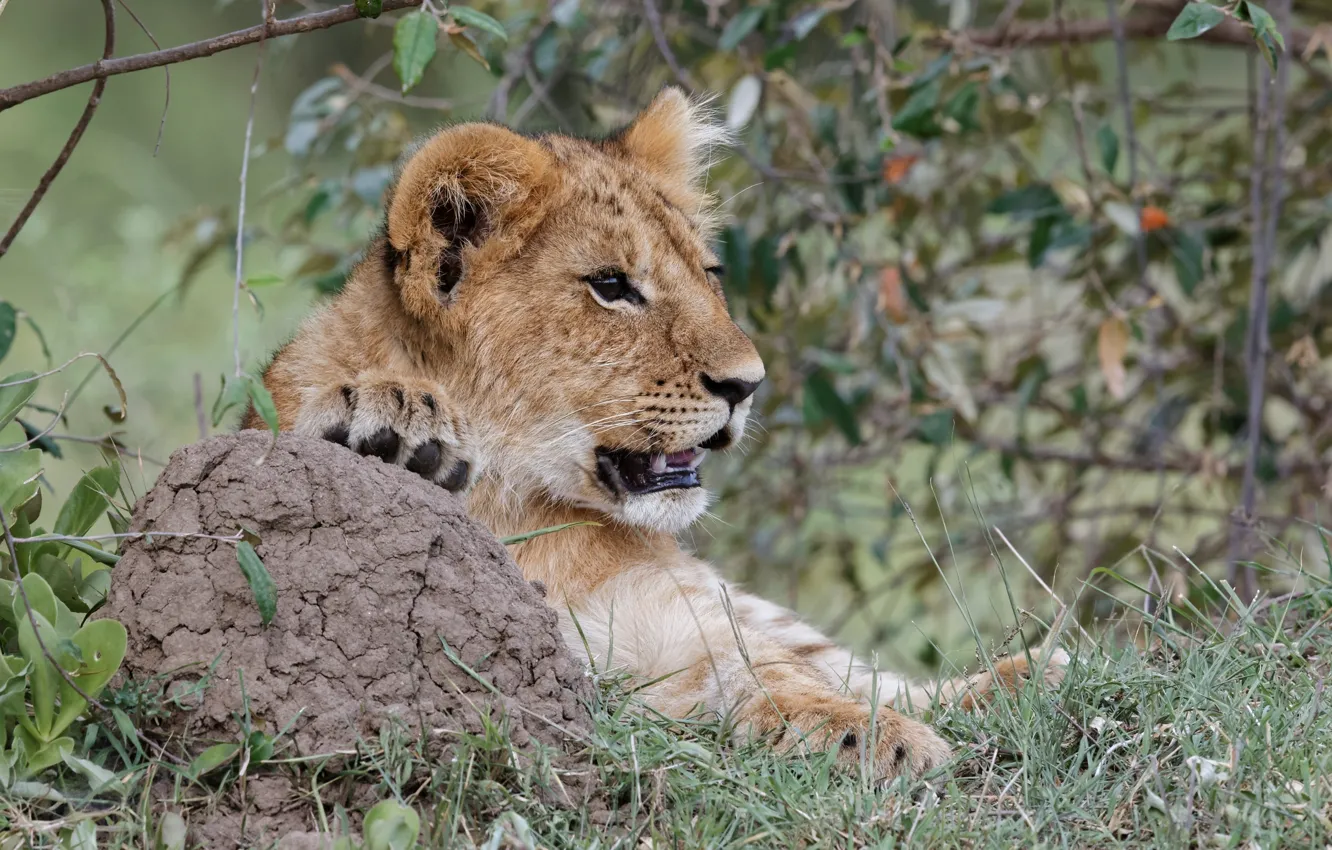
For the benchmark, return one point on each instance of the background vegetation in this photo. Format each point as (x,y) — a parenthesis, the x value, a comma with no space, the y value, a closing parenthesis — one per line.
(1001,261)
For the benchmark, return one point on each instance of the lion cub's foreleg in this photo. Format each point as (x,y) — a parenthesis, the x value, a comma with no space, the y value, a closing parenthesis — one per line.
(856,676)
(673,628)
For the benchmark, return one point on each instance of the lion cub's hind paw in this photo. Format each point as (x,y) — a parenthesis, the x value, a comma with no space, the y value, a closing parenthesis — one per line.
(403,422)
(1012,673)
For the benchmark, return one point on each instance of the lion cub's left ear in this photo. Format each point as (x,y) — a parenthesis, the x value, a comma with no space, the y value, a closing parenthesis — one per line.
(468,186)
(674,138)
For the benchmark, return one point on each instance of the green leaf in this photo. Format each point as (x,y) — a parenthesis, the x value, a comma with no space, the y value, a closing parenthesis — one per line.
(820,391)
(739,27)
(13,398)
(8,326)
(261,583)
(805,22)
(413,46)
(1029,202)
(962,107)
(233,394)
(263,280)
(1186,250)
(88,499)
(18,477)
(1108,142)
(936,428)
(466,17)
(389,825)
(213,758)
(540,532)
(263,402)
(98,777)
(916,117)
(102,644)
(369,8)
(1194,20)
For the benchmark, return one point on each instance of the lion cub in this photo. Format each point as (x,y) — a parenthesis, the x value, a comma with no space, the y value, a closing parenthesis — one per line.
(542,326)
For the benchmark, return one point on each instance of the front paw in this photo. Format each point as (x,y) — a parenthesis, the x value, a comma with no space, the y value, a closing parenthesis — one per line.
(888,743)
(407,422)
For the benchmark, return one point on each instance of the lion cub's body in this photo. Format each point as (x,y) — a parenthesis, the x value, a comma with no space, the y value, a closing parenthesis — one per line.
(541,323)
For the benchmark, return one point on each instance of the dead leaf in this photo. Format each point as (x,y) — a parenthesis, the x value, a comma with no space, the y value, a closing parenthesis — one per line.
(1112,345)
(892,295)
(1154,218)
(896,168)
(1303,353)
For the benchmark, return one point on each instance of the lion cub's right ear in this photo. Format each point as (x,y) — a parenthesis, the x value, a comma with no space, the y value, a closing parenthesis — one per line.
(468,185)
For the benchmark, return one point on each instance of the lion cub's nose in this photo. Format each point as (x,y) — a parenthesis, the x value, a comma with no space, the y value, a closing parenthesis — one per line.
(733,390)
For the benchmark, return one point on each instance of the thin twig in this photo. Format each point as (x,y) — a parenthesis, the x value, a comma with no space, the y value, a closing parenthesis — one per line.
(1264,205)
(267,13)
(166,105)
(363,85)
(653,15)
(94,100)
(195,50)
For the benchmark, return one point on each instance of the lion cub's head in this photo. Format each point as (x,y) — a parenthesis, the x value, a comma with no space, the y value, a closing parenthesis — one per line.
(578,306)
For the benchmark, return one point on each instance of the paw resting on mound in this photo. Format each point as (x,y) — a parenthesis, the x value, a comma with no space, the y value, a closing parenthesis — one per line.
(401,421)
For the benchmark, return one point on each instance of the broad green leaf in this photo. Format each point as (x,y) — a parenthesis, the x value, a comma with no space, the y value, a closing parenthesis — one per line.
(8,326)
(263,280)
(369,8)
(1029,202)
(263,402)
(962,107)
(213,758)
(18,477)
(1194,20)
(261,583)
(89,498)
(820,392)
(413,46)
(466,17)
(43,754)
(84,834)
(12,398)
(389,825)
(1108,143)
(102,644)
(740,26)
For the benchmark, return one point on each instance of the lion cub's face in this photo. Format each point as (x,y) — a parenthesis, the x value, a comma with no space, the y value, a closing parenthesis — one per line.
(581,305)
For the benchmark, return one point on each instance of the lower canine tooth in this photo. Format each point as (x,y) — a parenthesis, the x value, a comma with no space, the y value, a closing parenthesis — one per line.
(698,458)
(659,463)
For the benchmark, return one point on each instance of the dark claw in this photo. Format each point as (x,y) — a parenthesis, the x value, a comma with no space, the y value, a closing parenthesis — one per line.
(382,444)
(337,434)
(426,459)
(457,478)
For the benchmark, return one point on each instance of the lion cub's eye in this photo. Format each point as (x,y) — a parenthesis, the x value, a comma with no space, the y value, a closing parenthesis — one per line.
(612,285)
(718,272)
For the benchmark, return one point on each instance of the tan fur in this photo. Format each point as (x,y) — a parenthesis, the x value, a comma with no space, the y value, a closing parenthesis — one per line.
(522,373)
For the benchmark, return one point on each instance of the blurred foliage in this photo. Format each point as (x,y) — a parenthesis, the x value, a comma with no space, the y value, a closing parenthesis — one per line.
(935,245)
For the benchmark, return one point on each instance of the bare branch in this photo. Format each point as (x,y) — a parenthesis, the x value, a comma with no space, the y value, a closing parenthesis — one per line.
(94,99)
(195,50)
(267,14)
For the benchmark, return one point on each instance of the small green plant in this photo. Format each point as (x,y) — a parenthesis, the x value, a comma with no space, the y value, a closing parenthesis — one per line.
(53,659)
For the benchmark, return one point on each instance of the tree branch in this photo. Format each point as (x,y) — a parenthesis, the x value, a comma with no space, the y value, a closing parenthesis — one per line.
(111,67)
(1149,19)
(94,100)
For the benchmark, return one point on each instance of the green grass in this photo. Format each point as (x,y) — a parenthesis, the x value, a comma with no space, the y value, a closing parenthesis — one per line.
(1161,736)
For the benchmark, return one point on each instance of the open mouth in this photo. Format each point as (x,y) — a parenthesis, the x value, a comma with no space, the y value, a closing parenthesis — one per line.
(635,473)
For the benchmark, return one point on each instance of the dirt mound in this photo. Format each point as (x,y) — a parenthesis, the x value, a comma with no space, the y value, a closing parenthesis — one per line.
(375,571)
